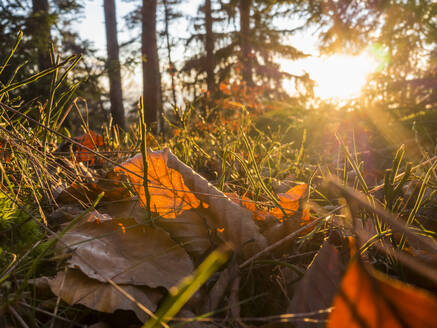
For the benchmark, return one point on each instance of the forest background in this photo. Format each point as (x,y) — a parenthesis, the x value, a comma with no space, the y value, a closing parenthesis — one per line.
(300,168)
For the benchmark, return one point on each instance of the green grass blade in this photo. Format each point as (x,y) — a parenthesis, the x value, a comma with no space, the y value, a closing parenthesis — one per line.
(11,53)
(181,294)
(418,203)
(35,77)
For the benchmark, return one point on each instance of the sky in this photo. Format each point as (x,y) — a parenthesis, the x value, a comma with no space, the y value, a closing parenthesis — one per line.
(336,76)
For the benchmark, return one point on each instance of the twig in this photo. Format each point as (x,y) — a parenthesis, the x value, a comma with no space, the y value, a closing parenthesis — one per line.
(133,300)
(18,317)
(143,131)
(52,315)
(286,317)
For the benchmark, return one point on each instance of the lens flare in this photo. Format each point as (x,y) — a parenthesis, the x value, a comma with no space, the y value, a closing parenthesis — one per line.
(337,77)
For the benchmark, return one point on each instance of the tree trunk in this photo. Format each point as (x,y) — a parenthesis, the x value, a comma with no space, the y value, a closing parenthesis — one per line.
(172,69)
(113,64)
(209,47)
(245,36)
(40,29)
(150,59)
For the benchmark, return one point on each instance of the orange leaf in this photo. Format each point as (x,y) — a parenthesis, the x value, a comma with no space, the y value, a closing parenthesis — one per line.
(169,196)
(244,201)
(91,140)
(306,218)
(4,153)
(375,301)
(289,201)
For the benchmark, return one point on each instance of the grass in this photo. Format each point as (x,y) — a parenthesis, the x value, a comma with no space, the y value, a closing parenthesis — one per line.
(261,156)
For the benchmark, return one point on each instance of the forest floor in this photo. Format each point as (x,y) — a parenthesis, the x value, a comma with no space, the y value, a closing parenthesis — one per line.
(289,218)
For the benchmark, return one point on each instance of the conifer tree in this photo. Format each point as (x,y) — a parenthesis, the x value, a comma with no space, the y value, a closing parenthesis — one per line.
(246,46)
(202,66)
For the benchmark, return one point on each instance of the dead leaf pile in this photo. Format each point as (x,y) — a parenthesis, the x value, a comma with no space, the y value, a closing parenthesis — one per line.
(112,245)
(113,259)
(190,208)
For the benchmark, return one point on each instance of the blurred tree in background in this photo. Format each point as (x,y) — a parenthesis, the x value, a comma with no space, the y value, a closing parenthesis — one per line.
(113,64)
(47,23)
(231,51)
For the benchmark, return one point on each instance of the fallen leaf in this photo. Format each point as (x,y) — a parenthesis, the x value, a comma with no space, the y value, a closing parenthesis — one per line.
(180,194)
(74,287)
(373,300)
(91,140)
(5,153)
(193,230)
(169,196)
(280,230)
(111,184)
(246,202)
(237,222)
(289,201)
(306,219)
(129,254)
(316,290)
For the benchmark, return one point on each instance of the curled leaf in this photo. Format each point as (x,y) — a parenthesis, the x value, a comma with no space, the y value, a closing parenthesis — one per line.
(370,299)
(237,223)
(244,201)
(179,193)
(192,229)
(289,201)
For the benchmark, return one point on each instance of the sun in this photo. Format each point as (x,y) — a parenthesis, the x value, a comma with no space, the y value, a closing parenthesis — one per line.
(337,77)
(341,76)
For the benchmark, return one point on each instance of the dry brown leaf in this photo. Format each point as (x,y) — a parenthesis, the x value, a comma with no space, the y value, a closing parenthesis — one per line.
(127,252)
(316,290)
(234,223)
(289,201)
(125,208)
(176,189)
(169,196)
(193,230)
(111,184)
(76,288)
(370,299)
(217,292)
